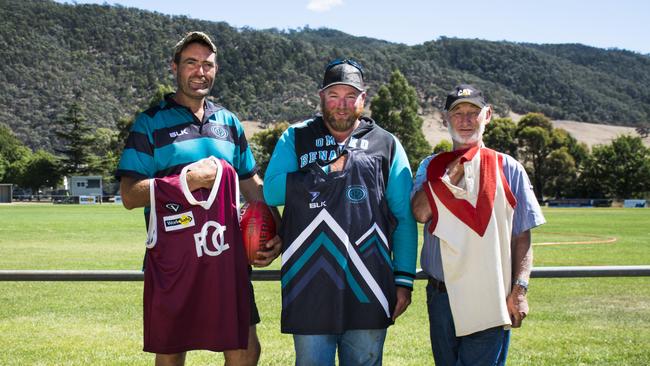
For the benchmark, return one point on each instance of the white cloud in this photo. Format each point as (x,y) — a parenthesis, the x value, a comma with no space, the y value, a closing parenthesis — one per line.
(323,5)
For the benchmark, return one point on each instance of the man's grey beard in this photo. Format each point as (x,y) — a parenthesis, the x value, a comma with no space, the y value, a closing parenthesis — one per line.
(476,136)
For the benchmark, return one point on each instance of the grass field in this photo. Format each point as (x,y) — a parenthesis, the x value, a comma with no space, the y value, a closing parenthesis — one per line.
(581,321)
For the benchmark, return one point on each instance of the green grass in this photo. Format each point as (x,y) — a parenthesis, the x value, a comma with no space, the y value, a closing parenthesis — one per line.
(581,321)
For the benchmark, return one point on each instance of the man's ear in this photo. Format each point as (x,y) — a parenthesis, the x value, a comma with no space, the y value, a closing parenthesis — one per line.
(173,66)
(488,114)
(363,97)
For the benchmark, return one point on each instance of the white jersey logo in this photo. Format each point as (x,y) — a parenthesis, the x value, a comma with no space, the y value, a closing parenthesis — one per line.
(217,239)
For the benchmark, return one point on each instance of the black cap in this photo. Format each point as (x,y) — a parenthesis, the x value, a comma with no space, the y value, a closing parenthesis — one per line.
(465,93)
(344,72)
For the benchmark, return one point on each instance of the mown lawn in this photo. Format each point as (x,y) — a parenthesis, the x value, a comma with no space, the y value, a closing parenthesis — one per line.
(580,321)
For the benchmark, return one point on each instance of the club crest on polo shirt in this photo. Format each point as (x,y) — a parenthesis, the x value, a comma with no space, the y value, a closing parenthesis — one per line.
(220,132)
(178,222)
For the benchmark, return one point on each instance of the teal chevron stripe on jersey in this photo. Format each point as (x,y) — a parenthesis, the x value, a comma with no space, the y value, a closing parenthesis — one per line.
(324,240)
(374,240)
(324,217)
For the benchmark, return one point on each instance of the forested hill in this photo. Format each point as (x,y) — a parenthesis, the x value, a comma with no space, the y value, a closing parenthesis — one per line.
(111,59)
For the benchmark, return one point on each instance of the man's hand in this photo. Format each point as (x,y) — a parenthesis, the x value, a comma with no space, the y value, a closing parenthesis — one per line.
(403,301)
(517,306)
(271,251)
(202,174)
(339,163)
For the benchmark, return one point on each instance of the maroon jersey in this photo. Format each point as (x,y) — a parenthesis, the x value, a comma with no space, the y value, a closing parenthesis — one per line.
(196,274)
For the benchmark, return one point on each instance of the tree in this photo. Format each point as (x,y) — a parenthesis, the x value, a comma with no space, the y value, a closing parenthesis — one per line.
(561,172)
(500,135)
(551,156)
(395,108)
(13,156)
(263,143)
(578,150)
(159,94)
(105,155)
(442,146)
(533,148)
(41,170)
(76,141)
(620,170)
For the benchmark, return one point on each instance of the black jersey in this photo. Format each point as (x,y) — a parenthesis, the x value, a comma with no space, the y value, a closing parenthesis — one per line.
(337,270)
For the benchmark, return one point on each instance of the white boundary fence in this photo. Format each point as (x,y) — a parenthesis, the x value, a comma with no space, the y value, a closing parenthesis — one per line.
(274,275)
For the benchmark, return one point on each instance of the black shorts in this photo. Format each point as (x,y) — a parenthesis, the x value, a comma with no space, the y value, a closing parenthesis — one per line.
(255,315)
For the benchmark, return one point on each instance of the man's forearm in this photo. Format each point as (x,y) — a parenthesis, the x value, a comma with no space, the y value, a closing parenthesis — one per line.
(420,206)
(522,256)
(134,192)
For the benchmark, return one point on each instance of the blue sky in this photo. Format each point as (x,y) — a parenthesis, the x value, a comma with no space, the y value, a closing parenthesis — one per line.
(600,23)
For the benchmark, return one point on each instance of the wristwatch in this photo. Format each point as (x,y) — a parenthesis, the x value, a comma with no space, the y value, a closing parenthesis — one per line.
(522,283)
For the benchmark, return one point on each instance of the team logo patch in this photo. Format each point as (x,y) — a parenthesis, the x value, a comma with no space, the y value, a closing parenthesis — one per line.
(173,207)
(356,194)
(220,132)
(179,222)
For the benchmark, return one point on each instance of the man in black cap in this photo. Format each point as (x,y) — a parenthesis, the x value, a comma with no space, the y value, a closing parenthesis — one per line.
(479,208)
(350,240)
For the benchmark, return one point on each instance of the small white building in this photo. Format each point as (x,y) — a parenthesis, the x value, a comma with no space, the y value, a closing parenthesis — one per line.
(89,185)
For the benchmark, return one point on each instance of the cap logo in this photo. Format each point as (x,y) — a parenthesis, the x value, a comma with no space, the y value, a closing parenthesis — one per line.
(464,92)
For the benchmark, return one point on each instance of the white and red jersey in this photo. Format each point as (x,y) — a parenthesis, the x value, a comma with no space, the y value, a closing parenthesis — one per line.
(473,221)
(196,292)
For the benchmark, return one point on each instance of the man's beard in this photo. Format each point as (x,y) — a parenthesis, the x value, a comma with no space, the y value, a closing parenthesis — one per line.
(340,125)
(474,138)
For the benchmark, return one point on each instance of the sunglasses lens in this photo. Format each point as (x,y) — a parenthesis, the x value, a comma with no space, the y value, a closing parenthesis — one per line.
(348,61)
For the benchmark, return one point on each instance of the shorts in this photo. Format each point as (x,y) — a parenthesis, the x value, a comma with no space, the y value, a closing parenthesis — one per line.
(255,315)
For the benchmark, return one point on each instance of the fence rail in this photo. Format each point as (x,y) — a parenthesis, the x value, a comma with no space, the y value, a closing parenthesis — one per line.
(274,275)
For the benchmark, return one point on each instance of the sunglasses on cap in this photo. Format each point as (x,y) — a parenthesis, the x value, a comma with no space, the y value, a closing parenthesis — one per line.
(348,61)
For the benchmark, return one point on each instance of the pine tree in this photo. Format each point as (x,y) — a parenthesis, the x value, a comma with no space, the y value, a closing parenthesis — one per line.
(75,141)
(395,108)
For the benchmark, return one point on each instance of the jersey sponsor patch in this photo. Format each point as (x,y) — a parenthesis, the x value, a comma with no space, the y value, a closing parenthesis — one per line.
(179,222)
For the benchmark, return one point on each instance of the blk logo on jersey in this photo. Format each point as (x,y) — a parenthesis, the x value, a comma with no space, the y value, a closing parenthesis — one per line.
(317,204)
(356,193)
(178,133)
(314,195)
(216,240)
(178,222)
(173,207)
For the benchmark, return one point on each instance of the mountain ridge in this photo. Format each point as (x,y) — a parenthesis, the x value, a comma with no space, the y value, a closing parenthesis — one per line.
(110,60)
